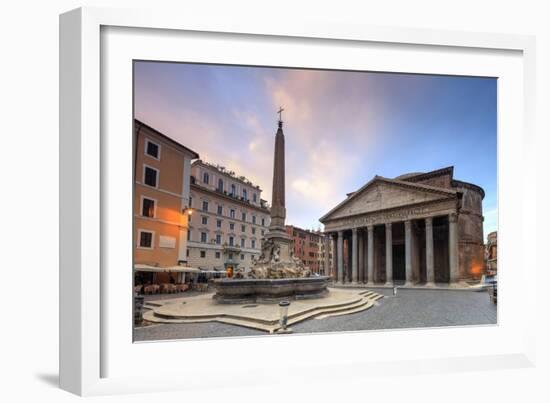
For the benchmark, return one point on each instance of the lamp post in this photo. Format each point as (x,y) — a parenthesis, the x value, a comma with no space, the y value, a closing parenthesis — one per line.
(183,232)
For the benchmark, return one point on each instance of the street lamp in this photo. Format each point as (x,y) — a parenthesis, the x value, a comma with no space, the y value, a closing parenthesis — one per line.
(184,227)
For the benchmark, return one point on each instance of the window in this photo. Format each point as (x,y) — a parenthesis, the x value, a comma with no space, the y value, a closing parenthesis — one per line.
(187,252)
(204,220)
(145,239)
(218,239)
(230,256)
(253,231)
(147,207)
(220,185)
(243,216)
(150,176)
(152,149)
(254,197)
(203,253)
(242,256)
(253,244)
(220,209)
(204,206)
(231,241)
(263,222)
(218,255)
(231,226)
(243,228)
(205,177)
(263,232)
(232,213)
(242,242)
(203,237)
(233,190)
(253,219)
(218,223)
(244,194)
(189,235)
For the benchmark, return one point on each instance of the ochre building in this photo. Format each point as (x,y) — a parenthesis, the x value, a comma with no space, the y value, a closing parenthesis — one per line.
(162,170)
(491,252)
(416,229)
(312,247)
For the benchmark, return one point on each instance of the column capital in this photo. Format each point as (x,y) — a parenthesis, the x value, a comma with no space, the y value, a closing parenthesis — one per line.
(388,225)
(429,221)
(354,230)
(408,224)
(340,233)
(453,217)
(370,227)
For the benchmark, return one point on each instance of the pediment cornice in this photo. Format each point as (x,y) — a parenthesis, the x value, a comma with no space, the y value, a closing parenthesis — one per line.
(432,193)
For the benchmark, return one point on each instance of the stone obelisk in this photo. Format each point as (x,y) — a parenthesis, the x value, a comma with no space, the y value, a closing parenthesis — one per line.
(277,260)
(278,210)
(276,233)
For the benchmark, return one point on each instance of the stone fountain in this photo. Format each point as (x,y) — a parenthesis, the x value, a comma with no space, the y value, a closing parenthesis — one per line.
(277,274)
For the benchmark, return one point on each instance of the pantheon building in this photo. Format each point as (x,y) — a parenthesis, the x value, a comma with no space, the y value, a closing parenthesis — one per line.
(415,229)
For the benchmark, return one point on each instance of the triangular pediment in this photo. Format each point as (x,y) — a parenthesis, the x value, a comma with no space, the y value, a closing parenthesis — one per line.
(382,194)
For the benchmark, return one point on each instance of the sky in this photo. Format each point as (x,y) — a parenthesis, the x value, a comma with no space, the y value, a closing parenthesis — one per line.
(341,128)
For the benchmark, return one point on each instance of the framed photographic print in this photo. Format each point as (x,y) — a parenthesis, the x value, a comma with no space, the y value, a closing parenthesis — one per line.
(258,195)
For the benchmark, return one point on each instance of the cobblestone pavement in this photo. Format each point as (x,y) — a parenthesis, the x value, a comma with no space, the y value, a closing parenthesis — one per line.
(409,309)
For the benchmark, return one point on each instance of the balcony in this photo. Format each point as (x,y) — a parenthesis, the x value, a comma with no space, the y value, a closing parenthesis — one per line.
(226,248)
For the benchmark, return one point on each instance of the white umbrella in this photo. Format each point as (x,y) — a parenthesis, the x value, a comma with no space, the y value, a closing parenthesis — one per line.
(181,269)
(147,268)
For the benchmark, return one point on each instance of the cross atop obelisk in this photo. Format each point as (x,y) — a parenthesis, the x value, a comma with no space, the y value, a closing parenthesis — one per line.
(280,112)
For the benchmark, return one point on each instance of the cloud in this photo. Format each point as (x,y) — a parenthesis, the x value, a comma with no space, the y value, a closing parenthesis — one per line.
(252,145)
(341,128)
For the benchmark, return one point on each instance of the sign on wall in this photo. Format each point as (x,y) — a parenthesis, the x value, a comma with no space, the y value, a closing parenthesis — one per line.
(167,242)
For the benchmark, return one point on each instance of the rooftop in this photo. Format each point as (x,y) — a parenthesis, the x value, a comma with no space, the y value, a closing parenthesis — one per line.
(221,169)
(140,124)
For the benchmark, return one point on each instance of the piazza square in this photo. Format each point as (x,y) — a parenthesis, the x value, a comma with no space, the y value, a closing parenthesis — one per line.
(221,252)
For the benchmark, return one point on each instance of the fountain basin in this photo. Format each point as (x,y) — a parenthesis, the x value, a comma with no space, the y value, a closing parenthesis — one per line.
(240,291)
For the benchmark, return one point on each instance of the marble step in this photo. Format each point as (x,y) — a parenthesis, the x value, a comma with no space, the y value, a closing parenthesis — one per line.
(245,317)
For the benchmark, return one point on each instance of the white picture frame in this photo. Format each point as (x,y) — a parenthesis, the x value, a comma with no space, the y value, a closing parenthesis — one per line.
(93,341)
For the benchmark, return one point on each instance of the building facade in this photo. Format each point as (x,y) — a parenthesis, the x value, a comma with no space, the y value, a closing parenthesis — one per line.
(312,247)
(229,219)
(491,252)
(325,254)
(162,177)
(419,228)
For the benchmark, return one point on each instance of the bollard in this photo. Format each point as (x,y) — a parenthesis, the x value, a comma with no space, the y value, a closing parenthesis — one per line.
(283,317)
(395,291)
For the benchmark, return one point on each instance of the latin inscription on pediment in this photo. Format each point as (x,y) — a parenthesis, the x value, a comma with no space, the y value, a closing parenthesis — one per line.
(433,209)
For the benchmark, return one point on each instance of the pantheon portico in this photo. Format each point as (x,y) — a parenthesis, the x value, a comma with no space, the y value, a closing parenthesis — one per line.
(416,229)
